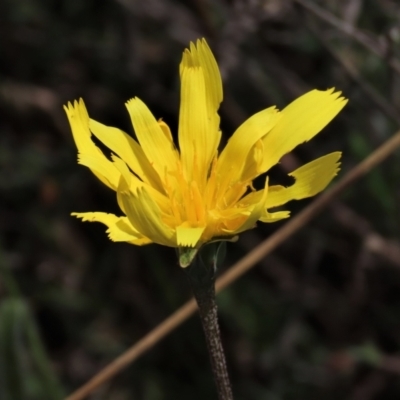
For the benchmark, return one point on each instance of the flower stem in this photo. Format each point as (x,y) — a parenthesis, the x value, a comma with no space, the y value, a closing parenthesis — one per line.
(202,281)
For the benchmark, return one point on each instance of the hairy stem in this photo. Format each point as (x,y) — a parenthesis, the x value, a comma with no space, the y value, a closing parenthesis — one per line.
(202,281)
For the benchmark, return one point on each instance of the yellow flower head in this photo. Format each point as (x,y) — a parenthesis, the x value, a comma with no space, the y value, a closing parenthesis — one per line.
(187,197)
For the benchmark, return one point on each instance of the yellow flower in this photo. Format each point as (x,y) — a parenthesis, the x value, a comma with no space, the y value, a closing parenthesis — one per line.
(187,197)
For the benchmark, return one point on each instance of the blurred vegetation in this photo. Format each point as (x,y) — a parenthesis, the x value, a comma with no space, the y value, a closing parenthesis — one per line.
(318,319)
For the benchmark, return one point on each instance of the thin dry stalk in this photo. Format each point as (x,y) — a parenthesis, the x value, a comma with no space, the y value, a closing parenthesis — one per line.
(240,268)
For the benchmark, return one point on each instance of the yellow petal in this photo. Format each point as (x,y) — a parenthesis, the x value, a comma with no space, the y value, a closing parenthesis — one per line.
(104,170)
(201,95)
(232,162)
(251,168)
(158,149)
(255,210)
(129,150)
(301,120)
(187,236)
(119,228)
(132,181)
(200,55)
(166,130)
(79,120)
(311,179)
(145,215)
(274,217)
(89,154)
(134,184)
(230,224)
(199,135)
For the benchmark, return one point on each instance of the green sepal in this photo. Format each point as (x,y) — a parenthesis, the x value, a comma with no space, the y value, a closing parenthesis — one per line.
(213,252)
(186,255)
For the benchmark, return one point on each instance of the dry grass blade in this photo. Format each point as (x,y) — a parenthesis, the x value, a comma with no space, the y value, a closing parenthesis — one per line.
(241,267)
(294,224)
(134,352)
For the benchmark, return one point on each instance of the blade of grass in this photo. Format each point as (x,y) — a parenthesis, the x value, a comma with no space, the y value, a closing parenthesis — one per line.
(48,378)
(11,376)
(23,359)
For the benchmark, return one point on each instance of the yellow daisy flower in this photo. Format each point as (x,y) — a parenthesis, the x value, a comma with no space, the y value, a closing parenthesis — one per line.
(187,197)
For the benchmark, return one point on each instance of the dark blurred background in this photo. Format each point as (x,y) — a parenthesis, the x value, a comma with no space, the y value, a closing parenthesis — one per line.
(317,319)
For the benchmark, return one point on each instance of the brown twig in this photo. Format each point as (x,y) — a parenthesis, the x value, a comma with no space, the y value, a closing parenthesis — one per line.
(139,348)
(240,268)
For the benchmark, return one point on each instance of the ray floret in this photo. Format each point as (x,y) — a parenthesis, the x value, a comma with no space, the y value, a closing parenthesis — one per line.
(185,198)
